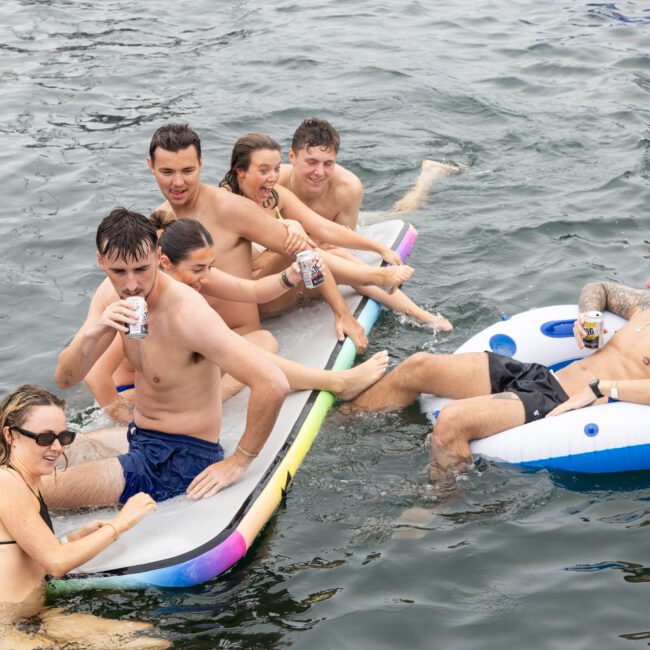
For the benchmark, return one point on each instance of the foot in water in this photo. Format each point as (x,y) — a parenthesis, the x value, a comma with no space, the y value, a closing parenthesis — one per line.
(430,171)
(393,276)
(355,380)
(422,317)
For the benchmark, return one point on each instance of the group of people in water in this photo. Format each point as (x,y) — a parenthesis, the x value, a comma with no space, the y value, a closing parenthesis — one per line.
(209,261)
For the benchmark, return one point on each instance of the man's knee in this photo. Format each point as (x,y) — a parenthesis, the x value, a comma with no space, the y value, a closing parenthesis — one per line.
(451,425)
(416,361)
(264,339)
(411,369)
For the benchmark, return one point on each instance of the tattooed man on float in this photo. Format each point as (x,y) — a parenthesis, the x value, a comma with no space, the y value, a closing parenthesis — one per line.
(495,392)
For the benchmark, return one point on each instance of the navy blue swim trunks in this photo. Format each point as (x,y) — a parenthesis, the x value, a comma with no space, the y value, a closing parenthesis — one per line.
(534,384)
(164,464)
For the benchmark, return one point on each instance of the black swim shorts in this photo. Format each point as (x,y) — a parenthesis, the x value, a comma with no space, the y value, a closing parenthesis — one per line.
(534,384)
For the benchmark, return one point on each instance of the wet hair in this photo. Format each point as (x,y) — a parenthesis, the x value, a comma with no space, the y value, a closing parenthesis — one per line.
(15,408)
(241,159)
(126,234)
(315,132)
(174,137)
(180,236)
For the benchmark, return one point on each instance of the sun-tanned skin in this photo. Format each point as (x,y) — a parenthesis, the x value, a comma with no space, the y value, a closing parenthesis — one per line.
(178,373)
(234,222)
(625,359)
(327,188)
(336,193)
(197,270)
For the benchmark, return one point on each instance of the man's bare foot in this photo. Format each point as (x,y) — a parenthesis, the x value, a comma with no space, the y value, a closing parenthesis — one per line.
(357,379)
(435,321)
(413,523)
(393,276)
(430,171)
(435,168)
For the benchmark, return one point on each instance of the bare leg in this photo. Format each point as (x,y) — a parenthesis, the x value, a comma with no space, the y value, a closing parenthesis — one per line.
(95,445)
(355,272)
(96,632)
(345,384)
(268,263)
(399,302)
(431,170)
(90,484)
(452,375)
(470,419)
(394,299)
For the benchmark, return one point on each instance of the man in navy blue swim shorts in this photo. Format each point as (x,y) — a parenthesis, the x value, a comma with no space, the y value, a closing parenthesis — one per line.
(164,464)
(174,440)
(494,392)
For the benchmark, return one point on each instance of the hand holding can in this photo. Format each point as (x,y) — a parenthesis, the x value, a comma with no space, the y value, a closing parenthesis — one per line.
(310,268)
(593,326)
(139,329)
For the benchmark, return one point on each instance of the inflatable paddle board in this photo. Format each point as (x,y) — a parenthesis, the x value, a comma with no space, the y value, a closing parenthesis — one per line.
(185,543)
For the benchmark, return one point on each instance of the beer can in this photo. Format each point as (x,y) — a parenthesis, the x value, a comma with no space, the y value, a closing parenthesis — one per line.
(593,325)
(140,329)
(312,276)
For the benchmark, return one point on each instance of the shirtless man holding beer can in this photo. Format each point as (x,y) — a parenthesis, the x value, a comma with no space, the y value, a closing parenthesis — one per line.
(494,392)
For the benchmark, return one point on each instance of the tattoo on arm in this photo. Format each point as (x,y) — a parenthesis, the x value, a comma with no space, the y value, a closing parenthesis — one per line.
(617,298)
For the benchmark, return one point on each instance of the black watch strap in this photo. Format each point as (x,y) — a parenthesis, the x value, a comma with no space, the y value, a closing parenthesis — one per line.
(593,384)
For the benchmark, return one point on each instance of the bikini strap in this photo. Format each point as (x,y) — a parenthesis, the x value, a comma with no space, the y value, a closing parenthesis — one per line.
(38,496)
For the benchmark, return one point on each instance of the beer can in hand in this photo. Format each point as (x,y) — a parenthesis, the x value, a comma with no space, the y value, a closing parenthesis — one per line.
(593,325)
(312,276)
(140,329)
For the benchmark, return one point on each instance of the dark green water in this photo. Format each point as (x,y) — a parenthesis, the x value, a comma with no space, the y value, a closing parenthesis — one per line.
(549,106)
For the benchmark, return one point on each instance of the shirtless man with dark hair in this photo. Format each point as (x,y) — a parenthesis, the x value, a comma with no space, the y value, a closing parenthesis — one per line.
(336,193)
(234,222)
(495,393)
(174,438)
(333,191)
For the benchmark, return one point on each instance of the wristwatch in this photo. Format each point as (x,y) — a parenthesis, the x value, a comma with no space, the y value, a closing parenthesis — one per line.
(593,384)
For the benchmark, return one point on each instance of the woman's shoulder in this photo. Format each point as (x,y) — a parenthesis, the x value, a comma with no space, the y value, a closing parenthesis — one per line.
(12,487)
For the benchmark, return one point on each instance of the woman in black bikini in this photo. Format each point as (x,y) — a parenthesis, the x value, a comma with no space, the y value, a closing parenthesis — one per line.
(34,434)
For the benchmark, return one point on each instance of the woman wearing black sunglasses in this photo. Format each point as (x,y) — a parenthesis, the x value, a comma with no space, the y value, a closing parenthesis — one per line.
(34,434)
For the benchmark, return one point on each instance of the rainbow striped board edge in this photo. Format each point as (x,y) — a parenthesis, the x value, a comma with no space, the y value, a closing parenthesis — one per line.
(186,543)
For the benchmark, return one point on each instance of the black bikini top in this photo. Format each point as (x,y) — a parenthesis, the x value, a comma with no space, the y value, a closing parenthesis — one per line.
(43,512)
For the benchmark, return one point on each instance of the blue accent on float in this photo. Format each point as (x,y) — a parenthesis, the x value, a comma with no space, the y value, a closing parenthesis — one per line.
(561,364)
(503,344)
(505,317)
(591,429)
(606,461)
(558,329)
(436,414)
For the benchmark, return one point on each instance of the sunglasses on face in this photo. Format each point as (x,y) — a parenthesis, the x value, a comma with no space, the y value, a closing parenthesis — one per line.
(65,438)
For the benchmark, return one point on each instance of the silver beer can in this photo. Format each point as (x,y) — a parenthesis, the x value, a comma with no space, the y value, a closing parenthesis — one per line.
(593,325)
(312,276)
(140,329)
